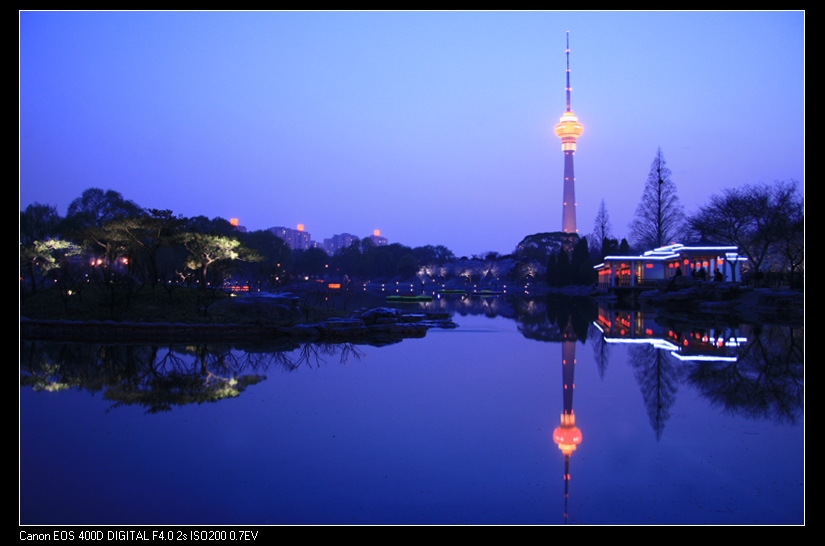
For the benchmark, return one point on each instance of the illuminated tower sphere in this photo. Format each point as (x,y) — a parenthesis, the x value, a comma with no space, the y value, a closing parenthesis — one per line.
(568,435)
(568,130)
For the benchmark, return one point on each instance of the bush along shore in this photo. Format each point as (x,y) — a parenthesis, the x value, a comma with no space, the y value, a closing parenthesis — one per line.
(732,299)
(157,314)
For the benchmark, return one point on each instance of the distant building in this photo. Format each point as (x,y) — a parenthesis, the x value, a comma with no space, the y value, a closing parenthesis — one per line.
(294,238)
(337,242)
(234,222)
(376,238)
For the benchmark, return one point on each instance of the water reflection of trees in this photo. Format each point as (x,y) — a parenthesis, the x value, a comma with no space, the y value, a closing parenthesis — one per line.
(765,382)
(657,373)
(555,318)
(751,370)
(471,304)
(159,377)
(312,354)
(601,349)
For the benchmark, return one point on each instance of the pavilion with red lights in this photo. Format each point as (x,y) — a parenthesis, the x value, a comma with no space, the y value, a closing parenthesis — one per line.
(702,261)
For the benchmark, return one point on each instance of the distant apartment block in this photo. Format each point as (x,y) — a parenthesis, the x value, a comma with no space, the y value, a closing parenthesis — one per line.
(376,238)
(294,238)
(337,242)
(300,239)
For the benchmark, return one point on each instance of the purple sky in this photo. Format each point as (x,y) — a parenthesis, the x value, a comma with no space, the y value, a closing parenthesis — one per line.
(436,128)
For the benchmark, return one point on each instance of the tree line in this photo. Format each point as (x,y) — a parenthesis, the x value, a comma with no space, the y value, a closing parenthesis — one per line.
(766,222)
(110,242)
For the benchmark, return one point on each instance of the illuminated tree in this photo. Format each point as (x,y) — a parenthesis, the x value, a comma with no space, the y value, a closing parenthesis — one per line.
(39,251)
(142,237)
(660,215)
(42,257)
(205,250)
(96,220)
(210,257)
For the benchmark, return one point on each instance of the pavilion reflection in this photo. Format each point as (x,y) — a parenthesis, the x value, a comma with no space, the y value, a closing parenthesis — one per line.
(756,370)
(686,343)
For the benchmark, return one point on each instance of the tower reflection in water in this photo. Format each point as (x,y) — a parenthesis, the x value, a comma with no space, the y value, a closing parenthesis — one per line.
(567,435)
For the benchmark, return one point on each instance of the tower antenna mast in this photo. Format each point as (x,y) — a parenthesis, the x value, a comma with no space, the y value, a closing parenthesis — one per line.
(568,129)
(567,51)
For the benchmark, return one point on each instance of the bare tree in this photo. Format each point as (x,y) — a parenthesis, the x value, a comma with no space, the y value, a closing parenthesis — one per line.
(791,236)
(766,222)
(602,230)
(660,215)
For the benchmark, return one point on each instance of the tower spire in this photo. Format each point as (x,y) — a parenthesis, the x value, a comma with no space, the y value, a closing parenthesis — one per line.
(568,130)
(568,71)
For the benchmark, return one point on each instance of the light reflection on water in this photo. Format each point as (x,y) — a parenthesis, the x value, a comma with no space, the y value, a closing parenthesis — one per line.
(453,428)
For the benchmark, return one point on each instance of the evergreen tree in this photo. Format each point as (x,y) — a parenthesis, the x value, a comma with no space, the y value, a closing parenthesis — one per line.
(580,264)
(660,215)
(562,269)
(552,271)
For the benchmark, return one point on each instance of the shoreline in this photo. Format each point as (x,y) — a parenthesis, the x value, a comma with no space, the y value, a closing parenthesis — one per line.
(377,324)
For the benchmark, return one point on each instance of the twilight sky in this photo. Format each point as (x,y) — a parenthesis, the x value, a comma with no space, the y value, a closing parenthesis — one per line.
(436,128)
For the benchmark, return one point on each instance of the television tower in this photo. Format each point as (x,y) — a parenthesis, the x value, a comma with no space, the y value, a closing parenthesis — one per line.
(568,129)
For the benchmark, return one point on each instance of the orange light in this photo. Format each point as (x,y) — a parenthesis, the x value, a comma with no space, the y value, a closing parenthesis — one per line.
(376,232)
(300,227)
(648,266)
(233,221)
(334,286)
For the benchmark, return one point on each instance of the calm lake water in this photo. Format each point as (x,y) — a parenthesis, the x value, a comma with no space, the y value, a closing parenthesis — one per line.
(454,428)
